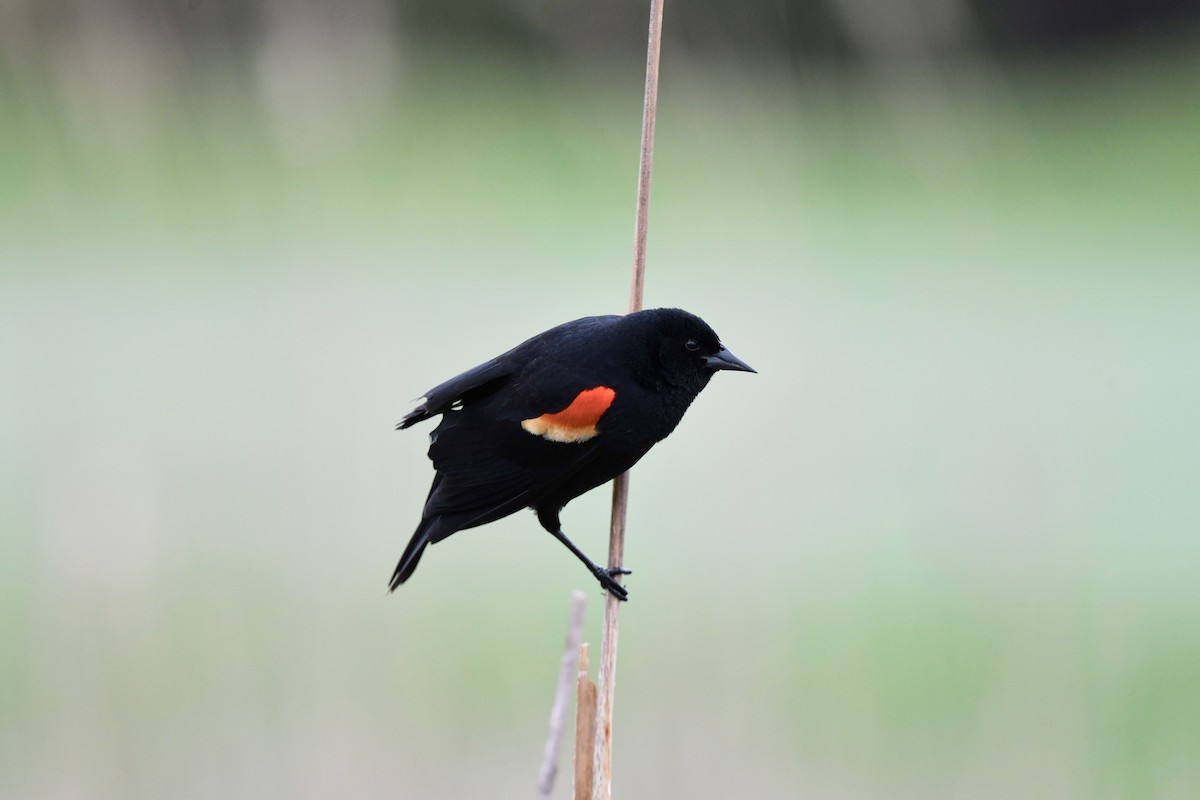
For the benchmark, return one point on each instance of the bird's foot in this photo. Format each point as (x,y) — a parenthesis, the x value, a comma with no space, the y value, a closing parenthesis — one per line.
(608,579)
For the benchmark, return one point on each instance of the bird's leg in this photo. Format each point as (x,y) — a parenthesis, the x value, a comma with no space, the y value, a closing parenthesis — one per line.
(606,575)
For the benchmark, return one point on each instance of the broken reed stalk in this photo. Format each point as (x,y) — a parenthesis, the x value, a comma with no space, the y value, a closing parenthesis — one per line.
(558,710)
(585,728)
(602,765)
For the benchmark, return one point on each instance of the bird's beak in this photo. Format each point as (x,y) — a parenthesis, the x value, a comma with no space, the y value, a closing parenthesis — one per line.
(727,360)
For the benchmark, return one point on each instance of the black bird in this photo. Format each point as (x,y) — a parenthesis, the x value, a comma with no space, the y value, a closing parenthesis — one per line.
(557,416)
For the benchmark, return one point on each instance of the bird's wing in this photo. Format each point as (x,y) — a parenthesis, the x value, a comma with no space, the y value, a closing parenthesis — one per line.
(475,382)
(489,468)
(566,342)
(513,428)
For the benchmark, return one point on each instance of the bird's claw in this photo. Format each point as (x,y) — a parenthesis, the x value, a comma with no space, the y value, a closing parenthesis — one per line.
(608,579)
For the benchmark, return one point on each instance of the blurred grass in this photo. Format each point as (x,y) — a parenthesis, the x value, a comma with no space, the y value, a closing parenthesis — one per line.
(942,546)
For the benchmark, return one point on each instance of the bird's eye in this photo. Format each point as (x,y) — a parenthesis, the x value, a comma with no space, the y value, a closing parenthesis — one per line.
(692,344)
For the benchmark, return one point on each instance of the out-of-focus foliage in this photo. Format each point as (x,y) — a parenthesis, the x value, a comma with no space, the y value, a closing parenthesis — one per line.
(569,30)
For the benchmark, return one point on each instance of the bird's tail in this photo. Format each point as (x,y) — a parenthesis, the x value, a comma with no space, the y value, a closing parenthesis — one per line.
(412,554)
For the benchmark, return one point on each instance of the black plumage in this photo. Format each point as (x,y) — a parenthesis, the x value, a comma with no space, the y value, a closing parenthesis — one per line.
(557,416)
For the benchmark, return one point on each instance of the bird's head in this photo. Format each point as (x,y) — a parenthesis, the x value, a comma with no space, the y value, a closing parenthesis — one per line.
(689,351)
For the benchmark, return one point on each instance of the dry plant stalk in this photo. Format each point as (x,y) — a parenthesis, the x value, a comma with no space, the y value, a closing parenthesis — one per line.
(602,777)
(558,710)
(585,727)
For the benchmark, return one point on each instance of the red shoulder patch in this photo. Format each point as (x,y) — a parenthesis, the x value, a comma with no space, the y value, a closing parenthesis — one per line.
(585,410)
(577,422)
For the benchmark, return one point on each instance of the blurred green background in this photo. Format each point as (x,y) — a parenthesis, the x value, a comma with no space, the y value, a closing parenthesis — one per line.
(944,545)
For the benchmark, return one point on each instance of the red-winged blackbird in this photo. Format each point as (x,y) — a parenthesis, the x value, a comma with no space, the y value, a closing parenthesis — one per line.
(557,416)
